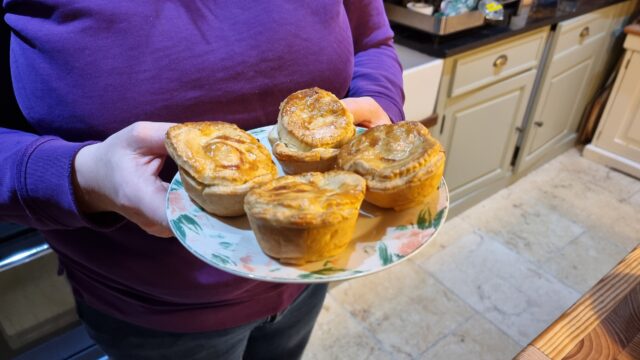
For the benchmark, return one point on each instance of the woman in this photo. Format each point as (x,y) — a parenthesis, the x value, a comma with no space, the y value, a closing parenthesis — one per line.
(102,83)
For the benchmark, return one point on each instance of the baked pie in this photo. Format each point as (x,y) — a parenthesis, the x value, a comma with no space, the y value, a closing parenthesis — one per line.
(402,163)
(307,217)
(219,163)
(312,126)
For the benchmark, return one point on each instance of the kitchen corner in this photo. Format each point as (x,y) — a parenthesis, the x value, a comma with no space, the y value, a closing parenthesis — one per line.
(524,84)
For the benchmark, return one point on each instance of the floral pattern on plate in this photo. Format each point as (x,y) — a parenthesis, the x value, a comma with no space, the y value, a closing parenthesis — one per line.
(382,237)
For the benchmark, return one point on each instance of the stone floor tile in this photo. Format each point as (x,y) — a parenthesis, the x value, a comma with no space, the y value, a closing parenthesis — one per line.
(595,210)
(337,335)
(478,339)
(611,181)
(505,287)
(524,224)
(585,261)
(404,307)
(580,201)
(634,200)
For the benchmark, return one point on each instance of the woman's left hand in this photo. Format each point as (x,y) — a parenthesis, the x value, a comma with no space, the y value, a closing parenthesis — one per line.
(366,112)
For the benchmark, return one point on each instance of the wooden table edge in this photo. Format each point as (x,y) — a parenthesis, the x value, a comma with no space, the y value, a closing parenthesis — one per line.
(574,324)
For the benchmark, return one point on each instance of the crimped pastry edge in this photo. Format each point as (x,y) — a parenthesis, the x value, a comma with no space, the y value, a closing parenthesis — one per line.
(425,171)
(304,220)
(297,162)
(384,178)
(308,143)
(178,158)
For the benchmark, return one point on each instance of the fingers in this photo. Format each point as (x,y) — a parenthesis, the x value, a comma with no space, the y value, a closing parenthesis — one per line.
(146,208)
(153,204)
(147,137)
(366,112)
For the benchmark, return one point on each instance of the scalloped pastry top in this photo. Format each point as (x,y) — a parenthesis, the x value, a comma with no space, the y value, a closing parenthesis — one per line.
(314,118)
(392,153)
(309,199)
(219,153)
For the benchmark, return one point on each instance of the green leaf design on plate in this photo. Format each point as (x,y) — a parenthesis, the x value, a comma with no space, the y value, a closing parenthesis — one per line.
(222,260)
(186,221)
(424,219)
(360,130)
(385,256)
(177,226)
(225,245)
(178,184)
(325,272)
(438,219)
(402,227)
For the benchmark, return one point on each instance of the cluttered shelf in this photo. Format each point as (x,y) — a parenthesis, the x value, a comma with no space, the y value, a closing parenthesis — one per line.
(530,18)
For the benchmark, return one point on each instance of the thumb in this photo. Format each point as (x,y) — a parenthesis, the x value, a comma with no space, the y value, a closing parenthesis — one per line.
(148,137)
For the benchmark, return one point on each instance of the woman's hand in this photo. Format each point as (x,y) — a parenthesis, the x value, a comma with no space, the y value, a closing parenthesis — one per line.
(121,175)
(366,112)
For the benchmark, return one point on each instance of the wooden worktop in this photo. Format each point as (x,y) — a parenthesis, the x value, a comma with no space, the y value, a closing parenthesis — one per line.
(603,324)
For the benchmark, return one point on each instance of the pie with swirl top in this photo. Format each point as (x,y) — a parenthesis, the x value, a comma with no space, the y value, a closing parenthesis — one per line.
(219,163)
(307,217)
(312,126)
(402,163)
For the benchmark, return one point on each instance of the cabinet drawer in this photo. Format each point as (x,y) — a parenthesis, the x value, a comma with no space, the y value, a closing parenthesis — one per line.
(487,66)
(582,30)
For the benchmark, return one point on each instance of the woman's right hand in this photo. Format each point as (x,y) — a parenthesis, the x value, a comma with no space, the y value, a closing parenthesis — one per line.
(120,175)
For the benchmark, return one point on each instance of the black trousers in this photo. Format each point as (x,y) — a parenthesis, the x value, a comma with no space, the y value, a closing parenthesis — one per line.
(281,336)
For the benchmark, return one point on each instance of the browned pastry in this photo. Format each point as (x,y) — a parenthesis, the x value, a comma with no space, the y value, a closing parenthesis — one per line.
(219,163)
(307,217)
(312,125)
(402,163)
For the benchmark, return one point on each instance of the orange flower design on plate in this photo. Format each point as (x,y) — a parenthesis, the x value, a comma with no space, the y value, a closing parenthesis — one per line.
(176,201)
(411,240)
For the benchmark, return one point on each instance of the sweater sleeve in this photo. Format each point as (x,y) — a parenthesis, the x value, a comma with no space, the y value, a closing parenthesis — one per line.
(377,71)
(36,185)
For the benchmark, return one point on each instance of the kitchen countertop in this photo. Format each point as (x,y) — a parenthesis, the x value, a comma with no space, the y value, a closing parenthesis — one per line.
(450,45)
(603,324)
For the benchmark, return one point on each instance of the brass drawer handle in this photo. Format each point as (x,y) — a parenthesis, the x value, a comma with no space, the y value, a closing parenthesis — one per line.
(500,61)
(585,32)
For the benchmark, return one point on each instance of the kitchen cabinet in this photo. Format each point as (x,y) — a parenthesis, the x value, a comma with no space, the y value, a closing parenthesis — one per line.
(617,139)
(482,100)
(576,59)
(484,132)
(618,17)
(510,106)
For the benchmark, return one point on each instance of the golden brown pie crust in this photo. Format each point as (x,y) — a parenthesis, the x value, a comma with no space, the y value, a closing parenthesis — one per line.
(312,125)
(402,163)
(305,217)
(219,163)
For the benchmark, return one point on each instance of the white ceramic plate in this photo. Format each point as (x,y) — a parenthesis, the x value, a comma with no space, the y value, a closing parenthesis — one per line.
(382,237)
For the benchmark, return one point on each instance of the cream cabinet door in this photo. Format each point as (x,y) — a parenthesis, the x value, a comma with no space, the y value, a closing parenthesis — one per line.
(484,133)
(562,98)
(620,131)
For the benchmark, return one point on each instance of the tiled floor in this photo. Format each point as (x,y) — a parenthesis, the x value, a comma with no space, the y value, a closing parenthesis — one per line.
(495,276)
